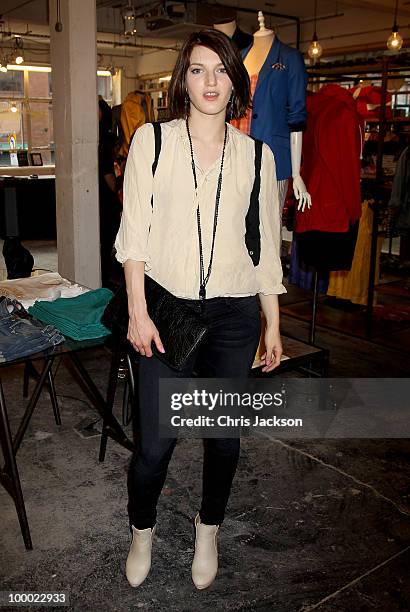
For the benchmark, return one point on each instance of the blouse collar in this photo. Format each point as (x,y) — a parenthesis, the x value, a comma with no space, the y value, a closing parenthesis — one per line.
(217,163)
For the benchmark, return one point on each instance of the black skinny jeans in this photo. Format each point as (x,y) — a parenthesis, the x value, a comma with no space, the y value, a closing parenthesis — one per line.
(228,352)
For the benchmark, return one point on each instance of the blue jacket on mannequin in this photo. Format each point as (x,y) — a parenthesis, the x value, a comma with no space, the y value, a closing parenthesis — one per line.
(279,102)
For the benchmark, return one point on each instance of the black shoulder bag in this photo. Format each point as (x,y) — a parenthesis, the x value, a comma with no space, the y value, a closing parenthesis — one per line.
(179,327)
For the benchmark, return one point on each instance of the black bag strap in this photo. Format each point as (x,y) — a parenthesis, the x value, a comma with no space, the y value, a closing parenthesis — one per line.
(157,135)
(158,138)
(252,236)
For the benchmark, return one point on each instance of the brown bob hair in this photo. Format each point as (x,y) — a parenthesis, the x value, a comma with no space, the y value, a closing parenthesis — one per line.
(231,59)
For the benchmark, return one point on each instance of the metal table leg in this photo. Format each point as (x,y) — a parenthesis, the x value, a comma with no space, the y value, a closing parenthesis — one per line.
(112,426)
(32,404)
(53,397)
(9,475)
(30,371)
(112,386)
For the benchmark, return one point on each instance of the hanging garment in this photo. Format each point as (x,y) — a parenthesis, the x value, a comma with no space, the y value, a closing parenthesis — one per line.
(279,102)
(303,275)
(136,110)
(331,162)
(327,251)
(109,208)
(116,125)
(244,125)
(400,195)
(368,101)
(353,285)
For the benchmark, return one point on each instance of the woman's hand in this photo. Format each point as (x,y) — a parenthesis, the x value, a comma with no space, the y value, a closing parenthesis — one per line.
(142,332)
(273,344)
(271,358)
(141,329)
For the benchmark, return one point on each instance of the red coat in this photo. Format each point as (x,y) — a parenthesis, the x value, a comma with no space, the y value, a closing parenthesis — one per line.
(331,161)
(369,100)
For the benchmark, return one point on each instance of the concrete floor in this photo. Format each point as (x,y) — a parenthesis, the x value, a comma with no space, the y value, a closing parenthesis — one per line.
(311,525)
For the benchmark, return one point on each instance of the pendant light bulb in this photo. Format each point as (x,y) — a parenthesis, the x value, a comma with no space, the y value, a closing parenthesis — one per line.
(315,48)
(395,41)
(3,68)
(13,108)
(18,50)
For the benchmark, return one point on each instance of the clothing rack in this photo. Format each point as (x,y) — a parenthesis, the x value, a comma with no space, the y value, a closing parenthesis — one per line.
(383,67)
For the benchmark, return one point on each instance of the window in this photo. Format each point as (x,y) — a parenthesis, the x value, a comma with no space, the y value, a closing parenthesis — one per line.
(26,112)
(11,84)
(104,88)
(11,129)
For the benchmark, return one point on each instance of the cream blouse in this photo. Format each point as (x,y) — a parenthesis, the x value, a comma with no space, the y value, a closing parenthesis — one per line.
(165,237)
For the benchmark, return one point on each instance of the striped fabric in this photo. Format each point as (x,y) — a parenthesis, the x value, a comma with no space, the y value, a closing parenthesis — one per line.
(282,191)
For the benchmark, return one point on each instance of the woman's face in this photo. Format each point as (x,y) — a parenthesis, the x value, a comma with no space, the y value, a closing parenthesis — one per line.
(208,84)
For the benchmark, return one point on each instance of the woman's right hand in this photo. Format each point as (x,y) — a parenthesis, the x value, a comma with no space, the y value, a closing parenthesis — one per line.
(142,332)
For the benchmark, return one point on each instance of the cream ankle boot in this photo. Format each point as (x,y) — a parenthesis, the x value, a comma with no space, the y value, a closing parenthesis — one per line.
(139,558)
(205,563)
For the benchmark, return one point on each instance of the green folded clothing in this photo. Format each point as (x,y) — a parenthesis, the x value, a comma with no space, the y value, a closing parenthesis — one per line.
(79,317)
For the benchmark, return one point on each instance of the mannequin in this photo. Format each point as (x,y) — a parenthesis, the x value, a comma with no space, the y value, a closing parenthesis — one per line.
(227,27)
(231,29)
(287,76)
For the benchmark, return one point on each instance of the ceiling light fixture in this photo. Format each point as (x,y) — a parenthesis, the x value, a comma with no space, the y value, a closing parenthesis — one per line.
(395,41)
(315,48)
(129,18)
(19,59)
(29,68)
(13,107)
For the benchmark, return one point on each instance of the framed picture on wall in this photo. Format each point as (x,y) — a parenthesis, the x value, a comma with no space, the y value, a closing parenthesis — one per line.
(36,159)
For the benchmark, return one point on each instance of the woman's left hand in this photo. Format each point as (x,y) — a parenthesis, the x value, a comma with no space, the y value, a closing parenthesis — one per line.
(271,358)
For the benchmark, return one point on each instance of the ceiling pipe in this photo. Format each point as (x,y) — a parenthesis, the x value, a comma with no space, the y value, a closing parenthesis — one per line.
(114,44)
(362,33)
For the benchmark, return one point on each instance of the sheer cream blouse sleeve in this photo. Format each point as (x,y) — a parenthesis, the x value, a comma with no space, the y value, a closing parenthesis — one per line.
(132,238)
(269,271)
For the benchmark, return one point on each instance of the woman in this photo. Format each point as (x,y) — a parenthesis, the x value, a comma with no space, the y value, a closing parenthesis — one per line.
(109,204)
(209,83)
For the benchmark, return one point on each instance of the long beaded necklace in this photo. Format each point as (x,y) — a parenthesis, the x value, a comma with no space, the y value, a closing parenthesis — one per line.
(203,280)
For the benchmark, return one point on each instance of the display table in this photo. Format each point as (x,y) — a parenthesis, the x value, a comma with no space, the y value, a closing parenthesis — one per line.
(308,359)
(70,349)
(9,475)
